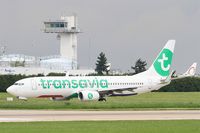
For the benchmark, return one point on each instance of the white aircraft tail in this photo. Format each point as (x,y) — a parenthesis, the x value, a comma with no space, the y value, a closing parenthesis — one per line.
(161,65)
(192,70)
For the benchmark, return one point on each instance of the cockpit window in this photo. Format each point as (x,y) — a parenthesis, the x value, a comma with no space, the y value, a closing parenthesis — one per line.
(19,84)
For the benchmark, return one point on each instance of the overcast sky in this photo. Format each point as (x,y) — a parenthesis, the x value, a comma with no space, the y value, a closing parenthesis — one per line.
(124,29)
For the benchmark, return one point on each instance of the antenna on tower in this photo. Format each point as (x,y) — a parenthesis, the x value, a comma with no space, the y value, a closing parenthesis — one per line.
(89,53)
(3,50)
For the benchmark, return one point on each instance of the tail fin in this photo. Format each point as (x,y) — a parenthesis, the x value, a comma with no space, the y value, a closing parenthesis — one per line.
(192,70)
(189,73)
(161,65)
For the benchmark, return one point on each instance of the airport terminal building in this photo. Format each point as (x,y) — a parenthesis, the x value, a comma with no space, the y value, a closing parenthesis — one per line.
(66,29)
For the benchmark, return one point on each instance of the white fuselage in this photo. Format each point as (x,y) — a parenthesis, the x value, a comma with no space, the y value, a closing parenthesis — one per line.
(67,86)
(97,87)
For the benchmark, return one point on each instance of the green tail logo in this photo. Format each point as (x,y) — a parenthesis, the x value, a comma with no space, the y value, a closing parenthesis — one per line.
(163,62)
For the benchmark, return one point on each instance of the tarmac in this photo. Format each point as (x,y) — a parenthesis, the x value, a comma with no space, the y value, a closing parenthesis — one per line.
(52,115)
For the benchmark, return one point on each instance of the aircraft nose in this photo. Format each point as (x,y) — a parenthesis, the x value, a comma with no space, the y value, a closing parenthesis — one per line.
(11,90)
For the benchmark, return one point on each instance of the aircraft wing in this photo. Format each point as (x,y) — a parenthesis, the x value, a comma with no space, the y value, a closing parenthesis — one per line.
(119,92)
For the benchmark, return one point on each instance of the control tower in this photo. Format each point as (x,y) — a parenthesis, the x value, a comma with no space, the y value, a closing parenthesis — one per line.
(67,30)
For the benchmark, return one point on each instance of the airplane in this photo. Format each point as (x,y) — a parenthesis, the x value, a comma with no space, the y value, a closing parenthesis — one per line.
(88,88)
(189,73)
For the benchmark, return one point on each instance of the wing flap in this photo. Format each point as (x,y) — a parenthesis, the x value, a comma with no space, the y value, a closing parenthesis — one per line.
(120,91)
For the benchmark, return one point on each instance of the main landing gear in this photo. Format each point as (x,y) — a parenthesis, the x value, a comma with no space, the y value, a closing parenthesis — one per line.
(102,99)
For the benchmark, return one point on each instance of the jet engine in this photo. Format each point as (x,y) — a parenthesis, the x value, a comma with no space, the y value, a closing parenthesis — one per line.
(88,95)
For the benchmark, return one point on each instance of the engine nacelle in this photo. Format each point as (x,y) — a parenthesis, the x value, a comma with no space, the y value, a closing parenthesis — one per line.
(88,95)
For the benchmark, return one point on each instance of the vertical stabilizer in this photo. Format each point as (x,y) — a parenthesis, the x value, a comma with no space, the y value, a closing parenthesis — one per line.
(161,65)
(192,70)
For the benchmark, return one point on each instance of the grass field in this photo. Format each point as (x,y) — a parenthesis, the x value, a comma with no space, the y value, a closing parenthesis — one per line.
(187,126)
(157,100)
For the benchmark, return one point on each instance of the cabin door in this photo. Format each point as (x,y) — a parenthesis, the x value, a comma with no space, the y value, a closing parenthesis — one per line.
(33,84)
(150,84)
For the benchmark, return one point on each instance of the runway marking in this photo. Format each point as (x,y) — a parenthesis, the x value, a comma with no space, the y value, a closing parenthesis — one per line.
(51,115)
(14,120)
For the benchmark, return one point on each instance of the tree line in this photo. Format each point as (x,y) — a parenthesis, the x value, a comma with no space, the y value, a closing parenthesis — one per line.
(103,67)
(190,84)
